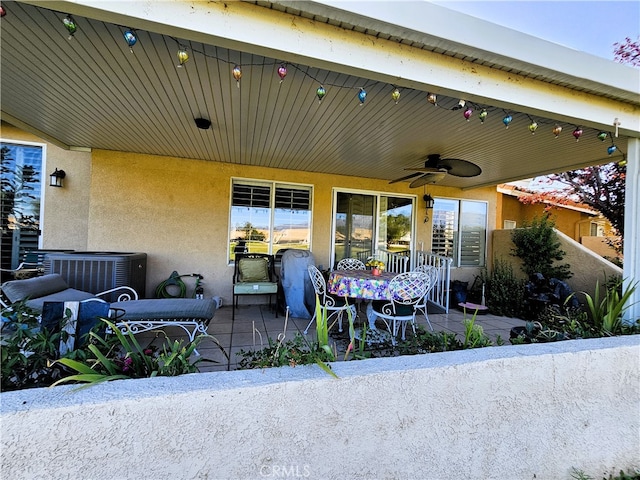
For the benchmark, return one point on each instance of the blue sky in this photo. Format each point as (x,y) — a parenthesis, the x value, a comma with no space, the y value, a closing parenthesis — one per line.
(588,26)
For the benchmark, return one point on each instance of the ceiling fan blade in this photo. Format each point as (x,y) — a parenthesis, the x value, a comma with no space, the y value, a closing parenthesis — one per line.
(404,178)
(460,168)
(428,178)
(427,169)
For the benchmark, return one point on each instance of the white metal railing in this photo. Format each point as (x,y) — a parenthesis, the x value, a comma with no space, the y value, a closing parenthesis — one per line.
(395,262)
(439,294)
(400,262)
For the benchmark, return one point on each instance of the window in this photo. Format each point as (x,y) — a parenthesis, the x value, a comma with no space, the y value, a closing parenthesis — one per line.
(21,192)
(460,231)
(269,216)
(370,222)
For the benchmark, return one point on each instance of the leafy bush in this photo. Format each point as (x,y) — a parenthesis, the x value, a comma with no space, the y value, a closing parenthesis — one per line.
(504,293)
(27,351)
(31,355)
(606,314)
(537,245)
(120,356)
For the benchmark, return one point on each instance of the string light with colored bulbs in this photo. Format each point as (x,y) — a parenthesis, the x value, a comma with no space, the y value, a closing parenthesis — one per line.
(282,69)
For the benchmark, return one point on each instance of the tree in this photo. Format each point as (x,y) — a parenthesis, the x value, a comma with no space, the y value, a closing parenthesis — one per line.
(250,233)
(397,227)
(537,245)
(627,52)
(601,187)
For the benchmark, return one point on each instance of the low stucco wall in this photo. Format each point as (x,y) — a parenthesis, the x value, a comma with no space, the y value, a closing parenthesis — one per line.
(586,266)
(529,411)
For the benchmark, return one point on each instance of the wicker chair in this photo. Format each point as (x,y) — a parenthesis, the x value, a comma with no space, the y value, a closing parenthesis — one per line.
(334,304)
(406,292)
(350,264)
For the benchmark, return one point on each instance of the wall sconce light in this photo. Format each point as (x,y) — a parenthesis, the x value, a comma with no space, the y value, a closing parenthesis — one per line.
(56,178)
(428,202)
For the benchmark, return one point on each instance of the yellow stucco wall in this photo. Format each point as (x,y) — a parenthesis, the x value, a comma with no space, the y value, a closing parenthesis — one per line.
(177,210)
(65,210)
(570,222)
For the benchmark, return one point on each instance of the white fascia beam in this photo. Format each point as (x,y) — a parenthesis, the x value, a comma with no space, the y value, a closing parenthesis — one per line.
(631,265)
(262,31)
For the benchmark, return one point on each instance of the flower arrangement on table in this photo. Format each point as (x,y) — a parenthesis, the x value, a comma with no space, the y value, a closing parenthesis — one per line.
(376,266)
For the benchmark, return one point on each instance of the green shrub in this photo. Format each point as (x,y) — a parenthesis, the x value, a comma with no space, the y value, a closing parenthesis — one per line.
(504,293)
(537,245)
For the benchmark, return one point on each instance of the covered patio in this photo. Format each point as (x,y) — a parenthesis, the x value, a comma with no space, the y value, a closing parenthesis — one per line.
(143,175)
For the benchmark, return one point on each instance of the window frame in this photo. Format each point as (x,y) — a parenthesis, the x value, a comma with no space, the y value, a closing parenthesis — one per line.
(375,241)
(273,185)
(458,230)
(43,181)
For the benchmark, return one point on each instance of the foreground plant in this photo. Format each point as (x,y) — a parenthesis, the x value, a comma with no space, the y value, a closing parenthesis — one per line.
(120,356)
(606,314)
(26,351)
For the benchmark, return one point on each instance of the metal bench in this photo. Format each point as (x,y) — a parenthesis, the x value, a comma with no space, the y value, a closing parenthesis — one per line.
(129,313)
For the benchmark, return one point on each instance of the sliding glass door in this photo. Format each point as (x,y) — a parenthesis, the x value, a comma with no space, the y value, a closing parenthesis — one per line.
(366,222)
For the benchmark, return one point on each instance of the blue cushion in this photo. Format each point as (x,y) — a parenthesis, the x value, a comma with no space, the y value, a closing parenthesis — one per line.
(167,309)
(68,295)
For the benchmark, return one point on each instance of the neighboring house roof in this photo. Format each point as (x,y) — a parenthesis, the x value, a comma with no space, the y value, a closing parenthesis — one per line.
(520,192)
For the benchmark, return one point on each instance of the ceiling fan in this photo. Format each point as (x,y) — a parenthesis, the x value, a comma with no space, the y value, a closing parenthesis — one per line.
(436,168)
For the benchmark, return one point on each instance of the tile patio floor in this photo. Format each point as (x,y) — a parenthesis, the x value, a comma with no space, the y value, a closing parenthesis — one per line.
(254,324)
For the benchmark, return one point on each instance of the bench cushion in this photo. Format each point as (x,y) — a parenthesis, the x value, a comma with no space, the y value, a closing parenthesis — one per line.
(256,288)
(36,287)
(167,309)
(68,295)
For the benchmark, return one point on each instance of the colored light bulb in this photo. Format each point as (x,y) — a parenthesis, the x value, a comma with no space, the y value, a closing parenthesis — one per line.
(431,98)
(507,120)
(362,96)
(467,113)
(577,133)
(183,56)
(557,130)
(395,95)
(70,24)
(611,149)
(237,74)
(602,136)
(320,93)
(130,38)
(533,126)
(483,115)
(282,72)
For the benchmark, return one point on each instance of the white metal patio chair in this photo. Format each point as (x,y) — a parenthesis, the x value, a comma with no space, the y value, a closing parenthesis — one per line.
(350,264)
(432,279)
(334,304)
(406,291)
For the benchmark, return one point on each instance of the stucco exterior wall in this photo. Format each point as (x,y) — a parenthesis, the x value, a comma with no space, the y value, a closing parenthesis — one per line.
(65,210)
(177,211)
(573,223)
(528,411)
(586,266)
